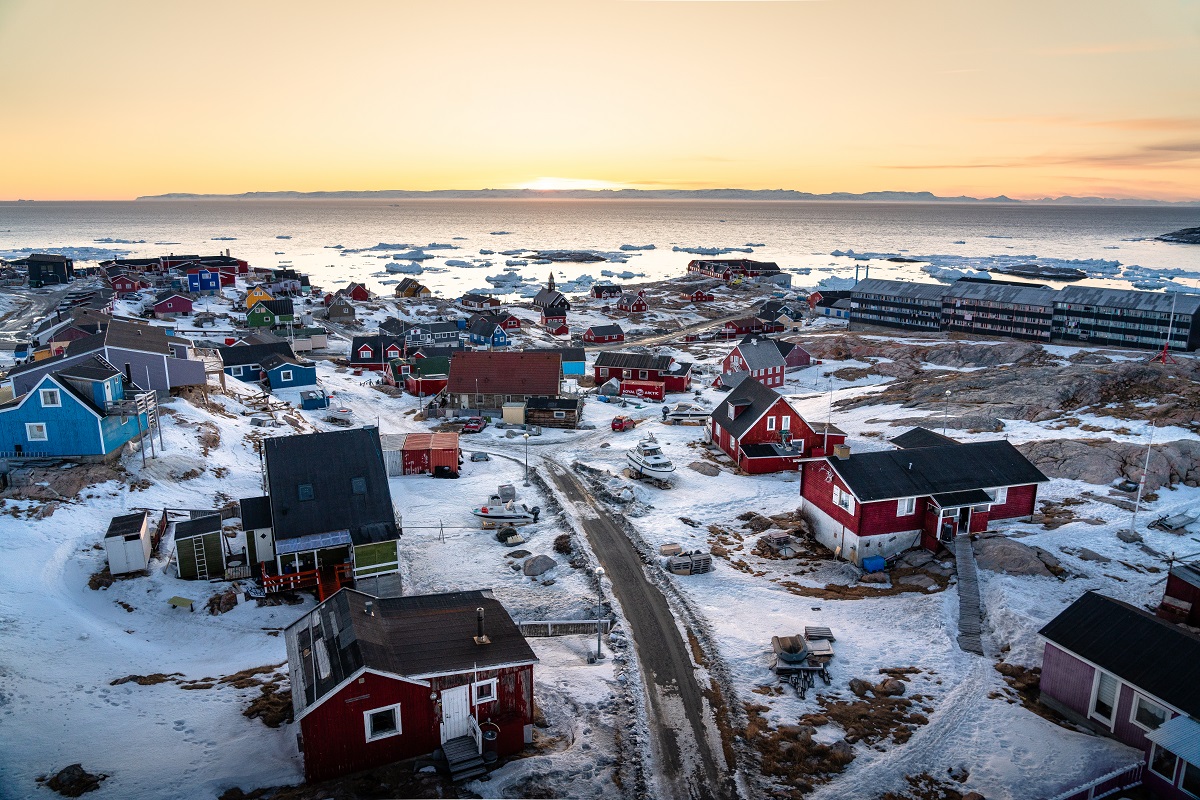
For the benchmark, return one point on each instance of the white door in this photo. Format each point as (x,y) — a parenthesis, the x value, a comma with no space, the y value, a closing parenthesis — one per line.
(456,708)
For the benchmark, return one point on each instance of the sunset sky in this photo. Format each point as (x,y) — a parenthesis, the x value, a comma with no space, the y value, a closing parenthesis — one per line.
(115,99)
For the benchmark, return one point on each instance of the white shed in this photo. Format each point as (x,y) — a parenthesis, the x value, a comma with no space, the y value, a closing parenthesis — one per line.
(128,543)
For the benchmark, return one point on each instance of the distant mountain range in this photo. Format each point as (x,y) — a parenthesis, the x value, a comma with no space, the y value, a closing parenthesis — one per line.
(657,194)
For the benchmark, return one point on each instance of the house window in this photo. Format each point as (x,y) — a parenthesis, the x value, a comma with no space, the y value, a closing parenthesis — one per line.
(560,415)
(906,506)
(1162,763)
(999,496)
(358,485)
(237,372)
(1147,714)
(36,431)
(1191,779)
(604,372)
(285,375)
(785,423)
(364,352)
(51,398)
(484,691)
(642,374)
(381,723)
(770,423)
(843,500)
(305,491)
(1106,697)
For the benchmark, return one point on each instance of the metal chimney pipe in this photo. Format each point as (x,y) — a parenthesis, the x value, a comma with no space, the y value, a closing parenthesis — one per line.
(479,622)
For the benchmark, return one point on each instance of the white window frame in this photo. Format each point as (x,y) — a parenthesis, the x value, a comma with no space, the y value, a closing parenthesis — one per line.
(237,371)
(999,495)
(494,683)
(1150,763)
(395,709)
(843,500)
(1138,697)
(906,506)
(1092,712)
(785,423)
(770,423)
(604,372)
(50,398)
(285,375)
(30,427)
(560,415)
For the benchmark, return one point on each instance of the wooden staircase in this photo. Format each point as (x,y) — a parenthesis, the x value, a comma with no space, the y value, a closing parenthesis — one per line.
(463,759)
(970,608)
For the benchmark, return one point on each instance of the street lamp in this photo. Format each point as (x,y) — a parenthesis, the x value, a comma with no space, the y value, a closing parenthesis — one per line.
(945,411)
(526,435)
(599,599)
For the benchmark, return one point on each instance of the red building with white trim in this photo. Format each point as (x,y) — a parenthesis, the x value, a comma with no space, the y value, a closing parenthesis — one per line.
(884,502)
(374,352)
(378,680)
(761,432)
(759,357)
(676,376)
(632,303)
(603,333)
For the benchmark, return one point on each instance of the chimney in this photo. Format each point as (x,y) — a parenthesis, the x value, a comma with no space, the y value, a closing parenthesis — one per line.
(480,636)
(369,608)
(841,451)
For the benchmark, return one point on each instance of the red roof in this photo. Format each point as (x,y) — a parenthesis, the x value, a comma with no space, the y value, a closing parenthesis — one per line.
(492,372)
(430,441)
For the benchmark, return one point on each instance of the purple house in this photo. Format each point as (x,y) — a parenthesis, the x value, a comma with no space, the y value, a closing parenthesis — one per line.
(1123,672)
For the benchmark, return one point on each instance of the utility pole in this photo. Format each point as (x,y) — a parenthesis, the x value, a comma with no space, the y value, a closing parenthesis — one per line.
(1137,504)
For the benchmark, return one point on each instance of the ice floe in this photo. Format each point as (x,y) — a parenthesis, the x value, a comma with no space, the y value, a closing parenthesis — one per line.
(629,247)
(711,251)
(74,253)
(107,240)
(411,268)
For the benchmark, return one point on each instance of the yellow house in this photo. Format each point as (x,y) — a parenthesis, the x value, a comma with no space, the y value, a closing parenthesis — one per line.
(255,295)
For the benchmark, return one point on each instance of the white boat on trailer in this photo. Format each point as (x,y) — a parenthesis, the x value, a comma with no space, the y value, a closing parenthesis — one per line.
(647,459)
(505,512)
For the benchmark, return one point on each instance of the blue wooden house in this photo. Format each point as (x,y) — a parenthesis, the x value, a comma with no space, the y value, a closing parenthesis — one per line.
(86,411)
(287,372)
(574,359)
(485,332)
(204,280)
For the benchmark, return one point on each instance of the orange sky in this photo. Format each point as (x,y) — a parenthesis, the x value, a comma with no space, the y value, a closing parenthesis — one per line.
(114,99)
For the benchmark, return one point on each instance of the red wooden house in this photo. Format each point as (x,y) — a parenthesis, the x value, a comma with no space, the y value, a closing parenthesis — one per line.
(123,285)
(357,291)
(419,376)
(793,354)
(478,302)
(171,304)
(633,303)
(379,680)
(1119,671)
(759,357)
(749,325)
(676,376)
(884,502)
(603,291)
(505,319)
(374,352)
(604,333)
(699,296)
(1181,596)
(761,432)
(730,269)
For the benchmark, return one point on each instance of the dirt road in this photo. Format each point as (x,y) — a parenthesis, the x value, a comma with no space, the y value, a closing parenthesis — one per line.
(670,336)
(686,743)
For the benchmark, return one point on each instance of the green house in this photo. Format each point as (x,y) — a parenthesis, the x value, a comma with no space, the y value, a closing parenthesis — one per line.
(270,313)
(200,548)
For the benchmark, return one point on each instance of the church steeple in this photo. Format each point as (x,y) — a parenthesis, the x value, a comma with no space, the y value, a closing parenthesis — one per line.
(551,284)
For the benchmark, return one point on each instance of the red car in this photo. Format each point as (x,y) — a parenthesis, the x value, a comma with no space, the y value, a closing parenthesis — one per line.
(623,423)
(474,425)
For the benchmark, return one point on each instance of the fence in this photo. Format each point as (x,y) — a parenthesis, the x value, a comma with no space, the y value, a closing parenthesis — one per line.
(1106,785)
(562,627)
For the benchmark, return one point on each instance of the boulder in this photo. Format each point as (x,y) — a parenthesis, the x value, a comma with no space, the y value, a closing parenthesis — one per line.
(890,687)
(1129,536)
(538,565)
(997,554)
(841,753)
(875,577)
(859,687)
(959,773)
(1092,555)
(705,468)
(74,780)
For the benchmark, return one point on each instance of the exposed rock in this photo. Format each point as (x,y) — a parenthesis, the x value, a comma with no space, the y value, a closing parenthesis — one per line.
(758,524)
(518,554)
(859,686)
(997,554)
(890,687)
(973,796)
(1092,555)
(1129,537)
(941,570)
(875,577)
(538,565)
(959,773)
(841,753)
(705,468)
(74,780)
(920,581)
(1183,236)
(1103,461)
(916,558)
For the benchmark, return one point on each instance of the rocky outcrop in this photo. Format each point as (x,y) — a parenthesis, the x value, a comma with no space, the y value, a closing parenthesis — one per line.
(1185,236)
(998,554)
(1104,462)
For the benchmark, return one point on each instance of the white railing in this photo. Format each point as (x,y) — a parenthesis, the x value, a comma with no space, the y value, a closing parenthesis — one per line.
(476,734)
(561,627)
(1109,784)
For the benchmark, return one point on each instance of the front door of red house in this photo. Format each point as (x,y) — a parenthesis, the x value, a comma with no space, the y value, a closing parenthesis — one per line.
(456,709)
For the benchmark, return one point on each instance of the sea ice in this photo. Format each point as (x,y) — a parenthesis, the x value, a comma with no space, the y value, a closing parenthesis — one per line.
(483,251)
(949,275)
(410,268)
(516,252)
(107,240)
(440,246)
(711,251)
(516,262)
(501,233)
(75,253)
(637,247)
(752,244)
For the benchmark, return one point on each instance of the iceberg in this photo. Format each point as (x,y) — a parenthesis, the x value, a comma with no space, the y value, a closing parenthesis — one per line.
(516,252)
(458,262)
(440,246)
(836,284)
(752,244)
(950,275)
(516,262)
(74,253)
(630,247)
(501,233)
(483,251)
(107,240)
(711,251)
(411,268)
(283,237)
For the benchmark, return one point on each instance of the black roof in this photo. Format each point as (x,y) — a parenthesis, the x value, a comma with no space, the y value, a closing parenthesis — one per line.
(199,526)
(378,344)
(567,353)
(1150,653)
(241,354)
(412,637)
(472,297)
(330,463)
(616,360)
(280,307)
(553,403)
(551,299)
(273,360)
(760,352)
(606,330)
(753,398)
(255,512)
(888,474)
(442,349)
(483,327)
(126,525)
(920,437)
(92,369)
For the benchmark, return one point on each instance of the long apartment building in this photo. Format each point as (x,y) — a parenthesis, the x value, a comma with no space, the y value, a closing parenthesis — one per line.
(1074,315)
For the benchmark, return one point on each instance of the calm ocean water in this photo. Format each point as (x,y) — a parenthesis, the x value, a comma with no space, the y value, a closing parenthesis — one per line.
(1114,244)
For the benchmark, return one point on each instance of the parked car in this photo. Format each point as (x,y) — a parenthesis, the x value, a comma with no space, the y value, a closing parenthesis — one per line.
(474,425)
(623,422)
(480,457)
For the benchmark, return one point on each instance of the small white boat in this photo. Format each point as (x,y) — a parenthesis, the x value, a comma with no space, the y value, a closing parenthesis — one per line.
(647,458)
(688,412)
(498,512)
